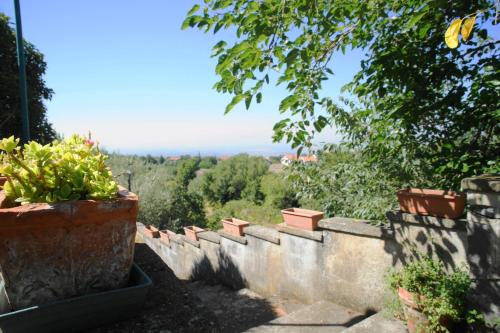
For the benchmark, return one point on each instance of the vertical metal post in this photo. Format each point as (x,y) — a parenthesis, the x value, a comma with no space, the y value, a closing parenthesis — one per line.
(23,89)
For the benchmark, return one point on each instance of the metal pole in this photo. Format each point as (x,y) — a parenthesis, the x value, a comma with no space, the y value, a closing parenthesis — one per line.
(23,89)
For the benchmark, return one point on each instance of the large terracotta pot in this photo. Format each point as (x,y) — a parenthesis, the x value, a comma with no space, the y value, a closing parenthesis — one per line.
(234,226)
(432,202)
(192,232)
(302,218)
(54,252)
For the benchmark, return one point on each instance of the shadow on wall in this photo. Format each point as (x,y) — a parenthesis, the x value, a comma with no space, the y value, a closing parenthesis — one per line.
(236,311)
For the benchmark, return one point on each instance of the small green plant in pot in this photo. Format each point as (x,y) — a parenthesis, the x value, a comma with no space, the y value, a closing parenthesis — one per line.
(432,299)
(69,225)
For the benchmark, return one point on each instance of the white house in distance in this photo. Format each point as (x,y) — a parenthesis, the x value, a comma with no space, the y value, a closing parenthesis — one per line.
(287,159)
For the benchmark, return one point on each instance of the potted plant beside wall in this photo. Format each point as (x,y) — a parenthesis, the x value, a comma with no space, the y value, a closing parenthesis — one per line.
(447,204)
(66,229)
(432,299)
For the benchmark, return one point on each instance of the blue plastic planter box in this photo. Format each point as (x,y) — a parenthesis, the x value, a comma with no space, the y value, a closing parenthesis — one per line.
(81,313)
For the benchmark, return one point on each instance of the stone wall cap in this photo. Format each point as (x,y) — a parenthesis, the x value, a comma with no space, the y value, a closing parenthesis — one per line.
(210,236)
(483,183)
(356,227)
(397,216)
(179,239)
(265,233)
(241,240)
(313,235)
(192,242)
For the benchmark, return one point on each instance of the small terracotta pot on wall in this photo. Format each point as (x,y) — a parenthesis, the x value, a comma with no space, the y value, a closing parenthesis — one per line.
(151,231)
(437,203)
(68,249)
(165,236)
(234,226)
(192,232)
(302,218)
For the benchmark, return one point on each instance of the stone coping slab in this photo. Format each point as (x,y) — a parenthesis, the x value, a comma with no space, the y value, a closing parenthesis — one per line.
(484,183)
(192,242)
(241,240)
(356,227)
(313,235)
(489,199)
(264,233)
(397,216)
(179,239)
(210,236)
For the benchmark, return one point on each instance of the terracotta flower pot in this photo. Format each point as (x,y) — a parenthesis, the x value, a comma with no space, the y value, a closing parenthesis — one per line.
(151,231)
(234,226)
(72,248)
(416,320)
(432,202)
(192,232)
(164,236)
(302,218)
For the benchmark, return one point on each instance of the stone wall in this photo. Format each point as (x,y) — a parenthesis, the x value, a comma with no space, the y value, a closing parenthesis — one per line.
(347,260)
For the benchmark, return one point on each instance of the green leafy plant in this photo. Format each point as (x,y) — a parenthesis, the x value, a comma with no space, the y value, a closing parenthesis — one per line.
(438,295)
(70,169)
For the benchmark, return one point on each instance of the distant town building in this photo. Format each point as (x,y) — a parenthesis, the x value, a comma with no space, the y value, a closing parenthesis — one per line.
(224,157)
(287,159)
(174,158)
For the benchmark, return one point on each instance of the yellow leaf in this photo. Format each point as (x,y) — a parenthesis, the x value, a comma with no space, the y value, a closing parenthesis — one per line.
(451,35)
(467,27)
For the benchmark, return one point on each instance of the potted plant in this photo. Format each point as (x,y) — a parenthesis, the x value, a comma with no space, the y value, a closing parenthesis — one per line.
(438,203)
(152,231)
(302,218)
(432,299)
(66,229)
(192,232)
(234,226)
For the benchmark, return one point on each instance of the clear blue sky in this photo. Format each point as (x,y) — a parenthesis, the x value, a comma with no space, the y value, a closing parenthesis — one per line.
(125,71)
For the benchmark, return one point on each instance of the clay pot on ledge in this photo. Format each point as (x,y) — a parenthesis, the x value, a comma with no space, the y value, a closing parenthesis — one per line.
(416,320)
(234,226)
(192,232)
(66,249)
(302,218)
(151,231)
(164,237)
(437,203)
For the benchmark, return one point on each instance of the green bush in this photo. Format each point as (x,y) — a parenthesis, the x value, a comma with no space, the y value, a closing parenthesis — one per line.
(344,183)
(163,199)
(444,294)
(234,179)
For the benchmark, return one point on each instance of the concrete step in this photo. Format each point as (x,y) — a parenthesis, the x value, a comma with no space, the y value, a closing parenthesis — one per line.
(377,323)
(319,317)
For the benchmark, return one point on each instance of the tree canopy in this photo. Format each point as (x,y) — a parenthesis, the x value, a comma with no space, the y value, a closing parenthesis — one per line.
(10,103)
(415,101)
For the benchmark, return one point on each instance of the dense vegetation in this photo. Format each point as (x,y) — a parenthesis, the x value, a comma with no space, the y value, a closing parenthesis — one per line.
(429,109)
(10,122)
(202,191)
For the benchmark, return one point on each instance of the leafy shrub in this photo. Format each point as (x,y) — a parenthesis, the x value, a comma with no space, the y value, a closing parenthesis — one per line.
(71,169)
(444,294)
(245,210)
(278,191)
(163,200)
(344,183)
(234,179)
